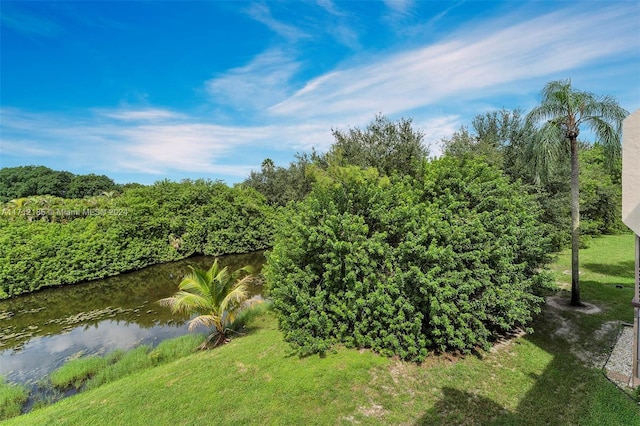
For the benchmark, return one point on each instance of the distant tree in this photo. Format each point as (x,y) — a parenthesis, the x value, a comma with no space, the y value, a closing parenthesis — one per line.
(390,147)
(461,144)
(600,193)
(281,185)
(89,185)
(27,181)
(217,296)
(563,110)
(496,136)
(131,185)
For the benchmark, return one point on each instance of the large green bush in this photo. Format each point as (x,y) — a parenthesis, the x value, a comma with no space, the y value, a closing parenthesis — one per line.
(48,241)
(445,262)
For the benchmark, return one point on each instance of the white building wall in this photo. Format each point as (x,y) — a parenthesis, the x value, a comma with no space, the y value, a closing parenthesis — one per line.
(631,172)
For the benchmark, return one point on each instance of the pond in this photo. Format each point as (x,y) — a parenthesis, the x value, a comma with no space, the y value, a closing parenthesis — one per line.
(41,330)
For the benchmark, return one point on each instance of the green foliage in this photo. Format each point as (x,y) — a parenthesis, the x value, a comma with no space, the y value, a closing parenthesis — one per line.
(89,185)
(600,193)
(94,371)
(216,296)
(390,147)
(600,199)
(504,139)
(76,372)
(281,185)
(172,349)
(558,120)
(496,136)
(134,360)
(12,397)
(405,266)
(27,181)
(70,241)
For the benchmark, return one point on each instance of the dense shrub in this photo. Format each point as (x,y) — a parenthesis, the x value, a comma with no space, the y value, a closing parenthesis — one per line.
(404,266)
(69,241)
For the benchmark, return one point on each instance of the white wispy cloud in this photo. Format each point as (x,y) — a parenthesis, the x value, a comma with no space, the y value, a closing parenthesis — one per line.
(190,147)
(467,64)
(400,6)
(397,13)
(330,7)
(126,140)
(262,13)
(149,114)
(23,148)
(259,84)
(28,23)
(339,25)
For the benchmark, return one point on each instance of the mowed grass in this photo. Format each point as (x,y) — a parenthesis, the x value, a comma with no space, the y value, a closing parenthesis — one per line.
(607,281)
(606,274)
(256,379)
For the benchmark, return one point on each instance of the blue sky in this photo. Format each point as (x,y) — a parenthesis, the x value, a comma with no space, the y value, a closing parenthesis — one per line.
(142,91)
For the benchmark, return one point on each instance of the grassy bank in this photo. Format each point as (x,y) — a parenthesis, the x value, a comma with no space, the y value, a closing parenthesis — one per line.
(544,378)
(11,399)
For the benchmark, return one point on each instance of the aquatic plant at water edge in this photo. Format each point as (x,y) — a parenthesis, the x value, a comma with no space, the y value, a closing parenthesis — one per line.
(12,396)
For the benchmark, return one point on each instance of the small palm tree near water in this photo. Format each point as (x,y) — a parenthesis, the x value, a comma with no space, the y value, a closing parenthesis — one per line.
(216,295)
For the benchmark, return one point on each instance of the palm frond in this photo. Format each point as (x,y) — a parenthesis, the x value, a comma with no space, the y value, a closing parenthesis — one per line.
(544,150)
(208,321)
(197,280)
(234,299)
(192,283)
(609,136)
(606,108)
(185,302)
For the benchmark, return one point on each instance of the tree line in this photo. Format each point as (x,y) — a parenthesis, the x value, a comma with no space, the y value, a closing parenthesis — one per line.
(27,181)
(49,241)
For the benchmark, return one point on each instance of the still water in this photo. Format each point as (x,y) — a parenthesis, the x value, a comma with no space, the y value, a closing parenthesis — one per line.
(42,330)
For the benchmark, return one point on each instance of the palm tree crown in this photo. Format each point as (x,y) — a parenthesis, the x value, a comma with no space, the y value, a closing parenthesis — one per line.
(558,118)
(216,295)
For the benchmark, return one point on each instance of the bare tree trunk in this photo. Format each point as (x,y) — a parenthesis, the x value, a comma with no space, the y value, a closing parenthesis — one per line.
(575,223)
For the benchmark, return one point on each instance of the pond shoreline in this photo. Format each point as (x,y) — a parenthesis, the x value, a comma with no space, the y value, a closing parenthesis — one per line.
(41,330)
(129,271)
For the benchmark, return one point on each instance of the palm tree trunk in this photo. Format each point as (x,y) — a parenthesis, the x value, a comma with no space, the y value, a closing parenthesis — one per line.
(575,223)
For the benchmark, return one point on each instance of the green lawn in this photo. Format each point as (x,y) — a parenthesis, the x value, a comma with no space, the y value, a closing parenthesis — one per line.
(255,379)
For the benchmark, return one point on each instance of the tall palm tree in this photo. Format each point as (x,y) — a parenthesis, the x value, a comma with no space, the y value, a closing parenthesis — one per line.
(216,295)
(558,118)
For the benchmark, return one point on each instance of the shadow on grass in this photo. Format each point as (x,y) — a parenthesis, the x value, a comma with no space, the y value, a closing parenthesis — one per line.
(566,392)
(620,269)
(457,407)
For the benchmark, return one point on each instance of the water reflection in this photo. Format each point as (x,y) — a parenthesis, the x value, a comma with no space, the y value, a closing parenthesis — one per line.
(39,331)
